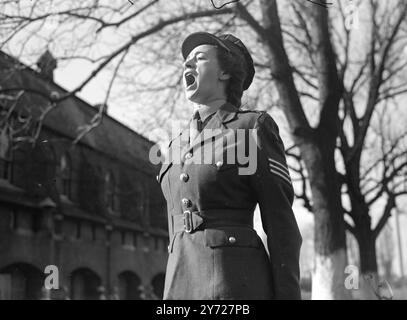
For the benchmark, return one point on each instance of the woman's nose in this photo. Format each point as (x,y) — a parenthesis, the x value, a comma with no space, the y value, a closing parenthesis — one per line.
(188,63)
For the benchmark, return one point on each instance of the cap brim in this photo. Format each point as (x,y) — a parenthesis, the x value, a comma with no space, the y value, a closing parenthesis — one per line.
(197,39)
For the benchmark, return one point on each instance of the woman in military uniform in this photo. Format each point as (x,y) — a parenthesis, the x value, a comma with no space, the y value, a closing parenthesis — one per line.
(214,252)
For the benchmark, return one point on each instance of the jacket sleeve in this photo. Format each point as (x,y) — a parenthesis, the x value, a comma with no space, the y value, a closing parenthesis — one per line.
(275,194)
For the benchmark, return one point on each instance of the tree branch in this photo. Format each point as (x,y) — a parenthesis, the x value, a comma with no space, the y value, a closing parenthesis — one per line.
(375,84)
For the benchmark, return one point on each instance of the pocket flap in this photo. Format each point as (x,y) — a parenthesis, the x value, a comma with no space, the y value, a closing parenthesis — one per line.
(231,237)
(220,166)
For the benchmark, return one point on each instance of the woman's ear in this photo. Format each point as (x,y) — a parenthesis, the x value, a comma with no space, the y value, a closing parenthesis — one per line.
(224,75)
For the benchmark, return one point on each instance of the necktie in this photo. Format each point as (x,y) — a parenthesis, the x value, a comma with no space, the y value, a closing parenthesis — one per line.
(195,126)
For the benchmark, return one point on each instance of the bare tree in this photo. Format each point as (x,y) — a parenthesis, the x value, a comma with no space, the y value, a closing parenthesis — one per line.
(307,66)
(376,80)
(370,73)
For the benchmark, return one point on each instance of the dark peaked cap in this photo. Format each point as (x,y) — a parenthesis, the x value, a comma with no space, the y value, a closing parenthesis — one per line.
(228,42)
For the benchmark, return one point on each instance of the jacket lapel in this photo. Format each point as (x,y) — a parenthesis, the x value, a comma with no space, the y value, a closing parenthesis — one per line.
(178,146)
(214,127)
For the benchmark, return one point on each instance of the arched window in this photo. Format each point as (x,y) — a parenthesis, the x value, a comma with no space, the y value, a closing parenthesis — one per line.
(65,173)
(85,285)
(25,281)
(111,197)
(129,286)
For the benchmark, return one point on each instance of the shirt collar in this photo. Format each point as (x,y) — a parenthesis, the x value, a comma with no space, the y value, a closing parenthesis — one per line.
(206,111)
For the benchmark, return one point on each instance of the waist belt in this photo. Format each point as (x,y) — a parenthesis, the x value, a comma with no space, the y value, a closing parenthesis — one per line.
(193,220)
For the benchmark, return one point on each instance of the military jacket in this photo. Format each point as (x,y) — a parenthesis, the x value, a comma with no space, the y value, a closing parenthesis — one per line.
(212,186)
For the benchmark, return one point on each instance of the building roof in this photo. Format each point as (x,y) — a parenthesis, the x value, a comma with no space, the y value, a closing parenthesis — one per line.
(111,137)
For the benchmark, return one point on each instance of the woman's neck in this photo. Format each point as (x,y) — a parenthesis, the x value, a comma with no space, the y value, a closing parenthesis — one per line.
(211,106)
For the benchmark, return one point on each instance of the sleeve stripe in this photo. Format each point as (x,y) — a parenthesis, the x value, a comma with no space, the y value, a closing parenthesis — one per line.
(278,164)
(287,175)
(281,176)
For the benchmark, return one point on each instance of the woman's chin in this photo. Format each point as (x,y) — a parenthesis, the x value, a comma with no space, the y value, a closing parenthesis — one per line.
(192,94)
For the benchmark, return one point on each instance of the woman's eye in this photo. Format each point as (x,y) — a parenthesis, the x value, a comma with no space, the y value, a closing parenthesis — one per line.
(200,58)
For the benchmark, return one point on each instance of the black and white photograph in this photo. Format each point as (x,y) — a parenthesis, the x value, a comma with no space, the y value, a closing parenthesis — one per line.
(202,151)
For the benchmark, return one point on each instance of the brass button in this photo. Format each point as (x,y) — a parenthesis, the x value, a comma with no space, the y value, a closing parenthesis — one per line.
(232,240)
(219,164)
(157,177)
(188,155)
(184,177)
(186,202)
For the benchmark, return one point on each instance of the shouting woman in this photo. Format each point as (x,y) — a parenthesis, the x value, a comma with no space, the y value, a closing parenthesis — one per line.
(214,252)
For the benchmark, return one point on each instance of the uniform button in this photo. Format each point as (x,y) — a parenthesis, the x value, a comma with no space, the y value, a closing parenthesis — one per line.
(188,155)
(219,164)
(186,202)
(157,177)
(232,240)
(184,177)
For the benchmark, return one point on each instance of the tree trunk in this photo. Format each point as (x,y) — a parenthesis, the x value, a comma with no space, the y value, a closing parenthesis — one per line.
(328,276)
(330,258)
(367,252)
(368,284)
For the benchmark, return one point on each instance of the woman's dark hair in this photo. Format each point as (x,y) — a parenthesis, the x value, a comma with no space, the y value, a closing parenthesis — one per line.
(235,66)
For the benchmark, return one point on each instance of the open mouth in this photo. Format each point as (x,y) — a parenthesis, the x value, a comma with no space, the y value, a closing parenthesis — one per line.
(189,79)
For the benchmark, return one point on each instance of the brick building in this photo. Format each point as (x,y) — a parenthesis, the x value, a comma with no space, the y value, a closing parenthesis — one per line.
(93,209)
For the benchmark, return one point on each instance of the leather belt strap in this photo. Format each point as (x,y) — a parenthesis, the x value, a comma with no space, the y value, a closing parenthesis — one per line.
(192,220)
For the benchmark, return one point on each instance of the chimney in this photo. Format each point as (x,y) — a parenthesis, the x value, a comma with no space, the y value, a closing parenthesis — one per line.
(47,64)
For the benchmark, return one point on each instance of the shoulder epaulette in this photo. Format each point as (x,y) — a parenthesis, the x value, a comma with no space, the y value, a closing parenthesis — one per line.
(249,111)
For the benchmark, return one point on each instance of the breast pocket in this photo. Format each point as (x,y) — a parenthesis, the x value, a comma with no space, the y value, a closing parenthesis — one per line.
(225,153)
(222,160)
(222,166)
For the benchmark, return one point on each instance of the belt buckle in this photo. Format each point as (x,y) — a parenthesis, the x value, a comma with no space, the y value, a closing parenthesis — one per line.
(187,221)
